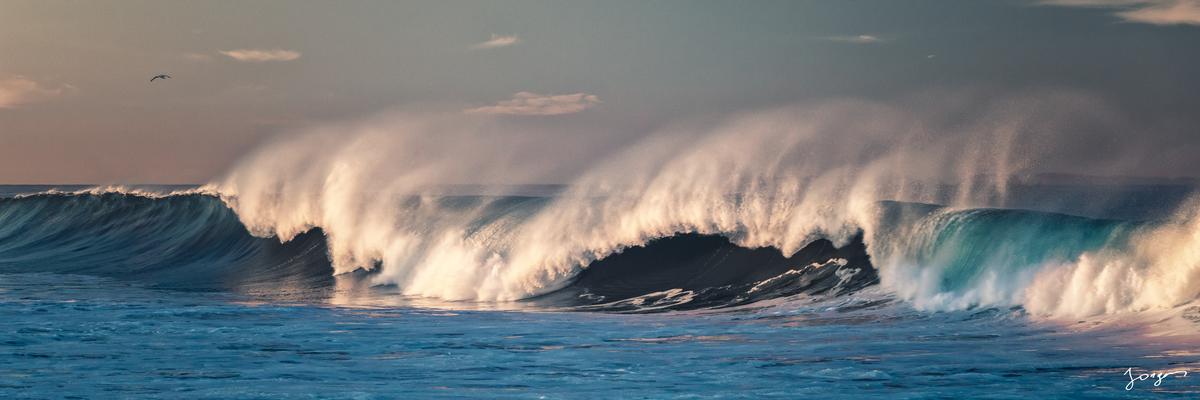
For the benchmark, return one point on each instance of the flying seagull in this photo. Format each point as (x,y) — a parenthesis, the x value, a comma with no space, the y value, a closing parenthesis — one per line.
(164,76)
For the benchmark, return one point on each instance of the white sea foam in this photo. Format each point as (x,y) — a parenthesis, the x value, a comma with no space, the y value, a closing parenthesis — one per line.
(1160,269)
(124,190)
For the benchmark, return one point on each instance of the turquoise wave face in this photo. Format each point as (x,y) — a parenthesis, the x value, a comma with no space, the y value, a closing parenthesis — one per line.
(963,247)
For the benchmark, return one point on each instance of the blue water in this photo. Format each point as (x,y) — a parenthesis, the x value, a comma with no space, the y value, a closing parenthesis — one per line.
(72,336)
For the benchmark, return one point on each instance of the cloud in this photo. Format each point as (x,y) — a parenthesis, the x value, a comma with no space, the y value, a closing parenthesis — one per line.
(861,39)
(1179,12)
(497,41)
(252,55)
(18,90)
(1091,3)
(1157,12)
(526,103)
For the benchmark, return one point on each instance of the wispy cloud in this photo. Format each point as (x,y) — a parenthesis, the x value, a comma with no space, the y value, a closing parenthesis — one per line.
(1157,12)
(254,55)
(860,39)
(1092,3)
(497,41)
(18,90)
(526,103)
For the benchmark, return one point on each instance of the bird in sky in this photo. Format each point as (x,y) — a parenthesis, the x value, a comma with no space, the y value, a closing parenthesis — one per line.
(163,76)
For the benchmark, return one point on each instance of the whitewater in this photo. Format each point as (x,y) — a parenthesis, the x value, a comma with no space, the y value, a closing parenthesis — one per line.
(845,243)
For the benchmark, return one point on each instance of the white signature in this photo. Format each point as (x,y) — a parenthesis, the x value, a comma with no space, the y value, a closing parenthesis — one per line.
(1158,376)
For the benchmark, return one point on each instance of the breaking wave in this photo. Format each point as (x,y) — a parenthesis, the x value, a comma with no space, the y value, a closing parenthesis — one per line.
(937,258)
(813,201)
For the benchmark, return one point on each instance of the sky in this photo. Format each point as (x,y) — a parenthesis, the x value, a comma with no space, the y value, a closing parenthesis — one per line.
(76,104)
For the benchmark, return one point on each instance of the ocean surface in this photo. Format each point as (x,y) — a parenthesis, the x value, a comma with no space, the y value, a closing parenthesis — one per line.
(186,292)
